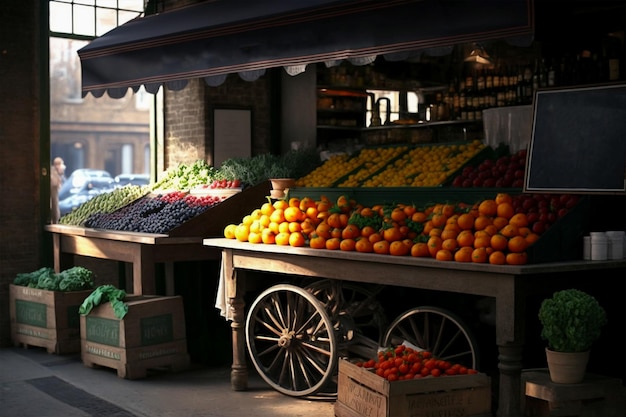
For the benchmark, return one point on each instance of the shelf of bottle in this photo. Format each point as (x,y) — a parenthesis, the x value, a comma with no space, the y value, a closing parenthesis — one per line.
(403,126)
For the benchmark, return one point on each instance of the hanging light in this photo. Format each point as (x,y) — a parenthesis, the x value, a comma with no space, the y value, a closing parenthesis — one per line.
(479,55)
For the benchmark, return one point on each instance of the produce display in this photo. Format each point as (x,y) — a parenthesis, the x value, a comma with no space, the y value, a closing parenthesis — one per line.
(496,230)
(418,166)
(504,172)
(158,213)
(73,279)
(403,362)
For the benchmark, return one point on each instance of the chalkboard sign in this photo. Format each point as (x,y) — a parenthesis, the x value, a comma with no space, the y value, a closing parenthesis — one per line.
(578,141)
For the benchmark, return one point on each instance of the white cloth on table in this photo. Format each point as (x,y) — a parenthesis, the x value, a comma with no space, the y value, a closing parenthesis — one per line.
(221,301)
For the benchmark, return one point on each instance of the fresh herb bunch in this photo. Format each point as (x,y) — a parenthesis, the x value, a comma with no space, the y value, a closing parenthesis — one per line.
(73,279)
(571,320)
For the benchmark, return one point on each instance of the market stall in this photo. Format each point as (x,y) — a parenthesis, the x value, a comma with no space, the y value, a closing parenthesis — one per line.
(509,285)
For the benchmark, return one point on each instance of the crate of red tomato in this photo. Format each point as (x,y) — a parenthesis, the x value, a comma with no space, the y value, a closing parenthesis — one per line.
(411,384)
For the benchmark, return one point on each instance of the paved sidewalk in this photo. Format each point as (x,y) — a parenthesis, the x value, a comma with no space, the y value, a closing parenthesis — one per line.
(34,383)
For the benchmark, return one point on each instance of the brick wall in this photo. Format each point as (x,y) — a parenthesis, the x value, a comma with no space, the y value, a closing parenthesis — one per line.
(19,160)
(189,116)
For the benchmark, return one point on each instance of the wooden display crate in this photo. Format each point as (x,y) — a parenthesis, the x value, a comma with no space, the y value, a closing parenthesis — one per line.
(151,335)
(363,393)
(46,319)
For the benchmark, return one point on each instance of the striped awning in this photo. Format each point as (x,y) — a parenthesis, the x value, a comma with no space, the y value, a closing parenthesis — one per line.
(215,38)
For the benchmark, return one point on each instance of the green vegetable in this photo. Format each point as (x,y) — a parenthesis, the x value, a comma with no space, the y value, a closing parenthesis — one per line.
(103,294)
(76,278)
(72,279)
(571,320)
(31,279)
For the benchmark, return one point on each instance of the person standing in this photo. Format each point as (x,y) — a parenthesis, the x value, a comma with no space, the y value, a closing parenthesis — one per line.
(57,178)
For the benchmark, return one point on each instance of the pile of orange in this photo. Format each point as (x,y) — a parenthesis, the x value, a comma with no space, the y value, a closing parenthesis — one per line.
(489,231)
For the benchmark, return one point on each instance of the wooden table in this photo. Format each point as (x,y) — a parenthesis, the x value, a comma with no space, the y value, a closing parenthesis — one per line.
(508,285)
(142,250)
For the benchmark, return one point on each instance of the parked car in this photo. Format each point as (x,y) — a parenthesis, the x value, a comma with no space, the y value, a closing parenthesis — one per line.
(90,188)
(132,179)
(75,182)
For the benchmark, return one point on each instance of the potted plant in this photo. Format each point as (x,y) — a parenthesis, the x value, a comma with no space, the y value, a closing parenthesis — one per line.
(571,320)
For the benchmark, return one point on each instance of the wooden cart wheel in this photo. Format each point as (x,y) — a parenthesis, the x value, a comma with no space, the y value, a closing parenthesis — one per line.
(436,330)
(291,340)
(356,305)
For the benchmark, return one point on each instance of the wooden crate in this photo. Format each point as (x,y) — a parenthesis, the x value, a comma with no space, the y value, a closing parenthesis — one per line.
(150,336)
(46,319)
(363,393)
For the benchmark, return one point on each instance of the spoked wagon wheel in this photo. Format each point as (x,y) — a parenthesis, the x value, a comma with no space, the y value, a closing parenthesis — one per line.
(352,308)
(436,330)
(291,340)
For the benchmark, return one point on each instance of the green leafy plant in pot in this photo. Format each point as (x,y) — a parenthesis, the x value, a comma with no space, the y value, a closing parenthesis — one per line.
(572,321)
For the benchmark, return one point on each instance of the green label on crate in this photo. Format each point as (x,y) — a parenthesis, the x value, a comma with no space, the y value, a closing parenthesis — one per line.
(31,313)
(73,317)
(104,331)
(157,329)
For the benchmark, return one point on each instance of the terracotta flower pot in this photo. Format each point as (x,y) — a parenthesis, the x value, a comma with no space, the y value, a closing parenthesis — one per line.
(567,367)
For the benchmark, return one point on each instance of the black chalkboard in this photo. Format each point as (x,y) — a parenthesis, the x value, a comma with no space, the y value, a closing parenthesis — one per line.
(578,141)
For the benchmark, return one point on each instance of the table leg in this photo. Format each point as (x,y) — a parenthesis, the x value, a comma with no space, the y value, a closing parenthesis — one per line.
(235,290)
(511,389)
(144,272)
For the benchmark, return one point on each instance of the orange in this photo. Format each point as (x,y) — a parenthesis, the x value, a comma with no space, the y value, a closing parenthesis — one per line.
(464,254)
(510,230)
(241,232)
(439,219)
(295,227)
(364,245)
(497,258)
(482,241)
(366,212)
(293,214)
(409,210)
(449,233)
(419,217)
(264,220)
(399,248)
(503,198)
(479,255)
(505,210)
(391,234)
(274,227)
(294,202)
(307,227)
(434,244)
(532,238)
(448,210)
(420,249)
(334,220)
(323,229)
(268,236)
(367,231)
(381,247)
(443,255)
(519,220)
(499,242)
(398,215)
(517,244)
(278,215)
(435,232)
(229,231)
(375,237)
(267,208)
(333,243)
(500,222)
(488,207)
(281,204)
(516,258)
(282,238)
(347,244)
(284,227)
(296,239)
(481,222)
(453,219)
(465,238)
(491,229)
(336,232)
(306,203)
(255,237)
(312,213)
(351,231)
(428,226)
(449,244)
(466,221)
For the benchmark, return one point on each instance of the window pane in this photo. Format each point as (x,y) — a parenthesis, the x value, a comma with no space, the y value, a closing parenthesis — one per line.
(60,17)
(84,20)
(106,21)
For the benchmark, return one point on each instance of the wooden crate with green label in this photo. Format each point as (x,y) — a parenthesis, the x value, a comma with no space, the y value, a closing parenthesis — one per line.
(45,318)
(150,336)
